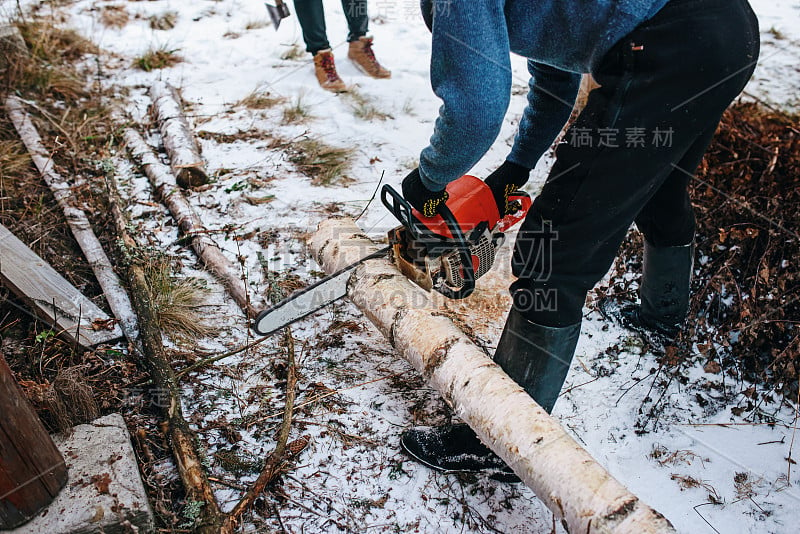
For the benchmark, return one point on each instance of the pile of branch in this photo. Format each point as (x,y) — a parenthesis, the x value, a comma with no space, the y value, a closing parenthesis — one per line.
(747,200)
(745,307)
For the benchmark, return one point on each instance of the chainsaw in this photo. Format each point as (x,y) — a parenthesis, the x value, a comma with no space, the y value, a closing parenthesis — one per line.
(446,253)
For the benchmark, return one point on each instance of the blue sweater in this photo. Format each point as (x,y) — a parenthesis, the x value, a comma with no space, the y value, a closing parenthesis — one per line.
(471,72)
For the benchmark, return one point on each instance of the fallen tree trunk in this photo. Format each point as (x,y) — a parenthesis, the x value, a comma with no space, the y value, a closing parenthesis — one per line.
(176,134)
(163,181)
(562,474)
(79,223)
(181,437)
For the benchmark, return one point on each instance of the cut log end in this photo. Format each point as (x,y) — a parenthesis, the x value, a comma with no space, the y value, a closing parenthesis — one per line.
(176,134)
(191,177)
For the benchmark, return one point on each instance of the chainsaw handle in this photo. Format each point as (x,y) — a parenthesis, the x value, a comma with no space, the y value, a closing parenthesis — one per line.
(401,209)
(468,274)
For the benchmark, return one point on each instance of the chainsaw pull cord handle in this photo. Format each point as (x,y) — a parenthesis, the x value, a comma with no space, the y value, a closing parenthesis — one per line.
(468,274)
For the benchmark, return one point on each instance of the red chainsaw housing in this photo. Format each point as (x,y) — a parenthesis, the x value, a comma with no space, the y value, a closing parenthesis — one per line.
(472,202)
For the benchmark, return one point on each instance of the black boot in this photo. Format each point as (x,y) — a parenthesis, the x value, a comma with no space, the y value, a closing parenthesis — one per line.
(664,294)
(537,357)
(450,448)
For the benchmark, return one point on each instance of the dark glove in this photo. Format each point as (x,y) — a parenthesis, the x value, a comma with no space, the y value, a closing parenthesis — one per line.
(420,197)
(504,181)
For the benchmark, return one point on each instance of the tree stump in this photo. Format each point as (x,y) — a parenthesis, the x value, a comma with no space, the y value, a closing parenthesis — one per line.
(32,470)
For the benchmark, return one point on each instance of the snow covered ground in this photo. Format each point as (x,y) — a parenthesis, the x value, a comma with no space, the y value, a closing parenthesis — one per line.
(705,468)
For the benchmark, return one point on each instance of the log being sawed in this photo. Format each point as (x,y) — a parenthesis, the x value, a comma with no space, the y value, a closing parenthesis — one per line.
(559,471)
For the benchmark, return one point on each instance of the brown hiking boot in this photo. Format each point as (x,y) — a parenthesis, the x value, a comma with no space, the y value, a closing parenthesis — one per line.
(361,54)
(325,69)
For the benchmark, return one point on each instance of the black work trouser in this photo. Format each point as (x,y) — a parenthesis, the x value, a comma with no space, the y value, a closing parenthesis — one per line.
(663,90)
(312,21)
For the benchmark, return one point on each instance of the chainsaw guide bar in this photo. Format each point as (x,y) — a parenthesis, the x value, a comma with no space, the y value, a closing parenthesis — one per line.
(306,301)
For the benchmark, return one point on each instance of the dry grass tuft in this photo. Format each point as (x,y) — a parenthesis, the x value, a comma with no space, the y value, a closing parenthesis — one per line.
(364,108)
(259,100)
(13,158)
(295,52)
(71,388)
(178,302)
(165,21)
(256,24)
(50,80)
(53,44)
(298,111)
(408,107)
(69,400)
(325,164)
(251,134)
(159,57)
(115,16)
(44,67)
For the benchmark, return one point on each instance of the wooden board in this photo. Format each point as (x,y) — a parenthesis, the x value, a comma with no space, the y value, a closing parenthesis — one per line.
(32,470)
(50,295)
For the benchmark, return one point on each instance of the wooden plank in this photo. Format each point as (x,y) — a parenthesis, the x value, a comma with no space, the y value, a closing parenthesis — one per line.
(52,297)
(32,470)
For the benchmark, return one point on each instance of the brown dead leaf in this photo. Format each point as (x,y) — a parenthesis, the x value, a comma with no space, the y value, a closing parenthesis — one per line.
(101,483)
(103,324)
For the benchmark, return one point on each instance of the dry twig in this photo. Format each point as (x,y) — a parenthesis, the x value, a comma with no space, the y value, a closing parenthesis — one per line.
(274,461)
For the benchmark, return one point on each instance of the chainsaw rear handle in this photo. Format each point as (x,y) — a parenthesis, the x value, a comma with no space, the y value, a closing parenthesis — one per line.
(404,212)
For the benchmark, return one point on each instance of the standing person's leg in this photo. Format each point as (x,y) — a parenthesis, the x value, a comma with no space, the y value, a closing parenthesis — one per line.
(311,15)
(663,89)
(667,222)
(355,11)
(360,48)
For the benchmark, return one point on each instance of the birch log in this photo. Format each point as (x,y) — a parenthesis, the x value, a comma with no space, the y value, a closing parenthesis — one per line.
(176,134)
(163,181)
(562,474)
(79,223)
